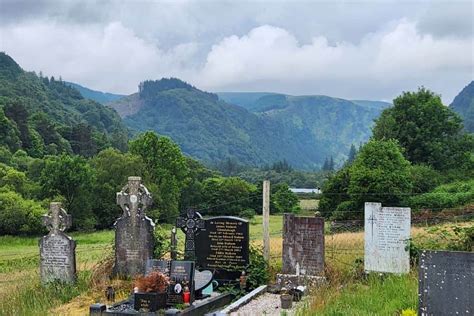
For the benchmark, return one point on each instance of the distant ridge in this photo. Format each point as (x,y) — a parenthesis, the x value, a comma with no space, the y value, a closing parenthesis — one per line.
(252,128)
(98,96)
(463,104)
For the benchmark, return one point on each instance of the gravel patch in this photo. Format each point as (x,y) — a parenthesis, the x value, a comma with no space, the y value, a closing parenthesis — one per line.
(265,304)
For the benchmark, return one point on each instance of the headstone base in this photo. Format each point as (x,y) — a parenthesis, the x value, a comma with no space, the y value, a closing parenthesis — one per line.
(290,281)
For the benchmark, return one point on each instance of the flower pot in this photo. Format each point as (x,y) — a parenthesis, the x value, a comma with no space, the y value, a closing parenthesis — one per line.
(149,302)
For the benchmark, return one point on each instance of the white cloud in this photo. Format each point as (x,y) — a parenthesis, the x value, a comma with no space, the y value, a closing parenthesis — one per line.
(114,58)
(393,56)
(111,58)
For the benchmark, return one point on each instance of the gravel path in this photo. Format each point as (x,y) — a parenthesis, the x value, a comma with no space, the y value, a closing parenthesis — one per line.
(265,304)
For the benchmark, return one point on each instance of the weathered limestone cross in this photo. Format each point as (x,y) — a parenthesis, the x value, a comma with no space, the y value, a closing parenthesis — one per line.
(191,222)
(57,220)
(134,199)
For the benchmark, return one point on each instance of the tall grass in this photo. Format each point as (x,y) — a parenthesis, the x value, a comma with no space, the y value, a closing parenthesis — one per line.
(32,298)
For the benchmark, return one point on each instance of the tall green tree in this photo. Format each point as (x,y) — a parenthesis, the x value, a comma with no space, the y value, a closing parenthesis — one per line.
(72,178)
(167,169)
(112,169)
(429,132)
(352,154)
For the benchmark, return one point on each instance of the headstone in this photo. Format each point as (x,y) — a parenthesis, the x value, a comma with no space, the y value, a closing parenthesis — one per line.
(191,223)
(57,250)
(162,266)
(223,247)
(134,240)
(202,279)
(446,283)
(181,275)
(303,245)
(387,232)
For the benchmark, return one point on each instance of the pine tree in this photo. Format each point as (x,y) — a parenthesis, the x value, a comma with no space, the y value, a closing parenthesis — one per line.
(352,154)
(331,164)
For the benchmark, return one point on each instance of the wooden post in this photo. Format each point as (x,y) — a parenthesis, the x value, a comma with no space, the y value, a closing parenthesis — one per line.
(266,219)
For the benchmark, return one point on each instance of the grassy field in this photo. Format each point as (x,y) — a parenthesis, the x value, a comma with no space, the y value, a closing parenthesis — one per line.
(347,293)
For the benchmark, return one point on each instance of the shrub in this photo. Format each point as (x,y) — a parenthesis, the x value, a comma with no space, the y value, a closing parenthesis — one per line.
(247,213)
(162,242)
(155,281)
(257,271)
(19,215)
(445,196)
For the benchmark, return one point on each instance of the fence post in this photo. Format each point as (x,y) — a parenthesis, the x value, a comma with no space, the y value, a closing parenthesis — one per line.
(266,219)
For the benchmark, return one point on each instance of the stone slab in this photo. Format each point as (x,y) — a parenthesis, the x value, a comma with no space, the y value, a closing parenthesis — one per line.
(387,233)
(303,245)
(57,258)
(244,300)
(446,283)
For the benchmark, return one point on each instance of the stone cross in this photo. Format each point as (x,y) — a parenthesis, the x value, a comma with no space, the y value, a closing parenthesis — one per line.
(191,222)
(134,199)
(57,250)
(372,219)
(57,220)
(134,238)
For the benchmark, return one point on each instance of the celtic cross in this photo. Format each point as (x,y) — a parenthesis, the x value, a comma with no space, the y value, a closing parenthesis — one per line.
(57,220)
(190,222)
(134,198)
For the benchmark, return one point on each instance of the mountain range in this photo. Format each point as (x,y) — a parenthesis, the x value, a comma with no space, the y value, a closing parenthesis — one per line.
(42,115)
(252,128)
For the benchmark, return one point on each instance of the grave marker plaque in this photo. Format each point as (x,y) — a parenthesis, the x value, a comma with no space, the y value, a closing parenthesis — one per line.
(57,250)
(303,245)
(181,275)
(222,246)
(387,232)
(446,283)
(134,239)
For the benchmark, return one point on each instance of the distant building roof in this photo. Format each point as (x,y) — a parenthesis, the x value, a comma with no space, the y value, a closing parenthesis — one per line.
(301,190)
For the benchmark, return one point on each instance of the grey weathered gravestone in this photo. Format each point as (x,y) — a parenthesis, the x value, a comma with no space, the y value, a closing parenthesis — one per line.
(57,250)
(303,245)
(134,240)
(446,283)
(387,232)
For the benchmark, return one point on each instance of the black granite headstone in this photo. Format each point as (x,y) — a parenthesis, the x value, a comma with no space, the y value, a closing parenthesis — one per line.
(181,275)
(446,283)
(222,246)
(149,302)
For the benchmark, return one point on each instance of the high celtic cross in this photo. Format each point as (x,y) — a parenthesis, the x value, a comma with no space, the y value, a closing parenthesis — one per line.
(190,222)
(134,199)
(57,220)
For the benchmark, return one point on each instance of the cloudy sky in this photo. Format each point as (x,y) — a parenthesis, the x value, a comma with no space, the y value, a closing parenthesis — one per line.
(350,49)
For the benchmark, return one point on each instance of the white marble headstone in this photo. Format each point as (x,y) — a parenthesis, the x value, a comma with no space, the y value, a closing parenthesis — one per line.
(387,232)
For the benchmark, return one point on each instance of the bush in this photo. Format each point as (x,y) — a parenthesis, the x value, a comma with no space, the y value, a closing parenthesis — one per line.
(247,213)
(162,242)
(257,271)
(19,215)
(346,210)
(445,196)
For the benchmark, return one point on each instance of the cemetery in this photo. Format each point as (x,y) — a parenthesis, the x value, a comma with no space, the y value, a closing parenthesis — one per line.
(207,268)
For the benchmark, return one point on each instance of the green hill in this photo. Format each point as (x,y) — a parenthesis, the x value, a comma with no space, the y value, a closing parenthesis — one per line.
(46,116)
(97,96)
(302,130)
(463,104)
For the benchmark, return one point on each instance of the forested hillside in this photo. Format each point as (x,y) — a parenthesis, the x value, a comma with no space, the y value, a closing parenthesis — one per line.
(43,116)
(463,104)
(301,130)
(98,96)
